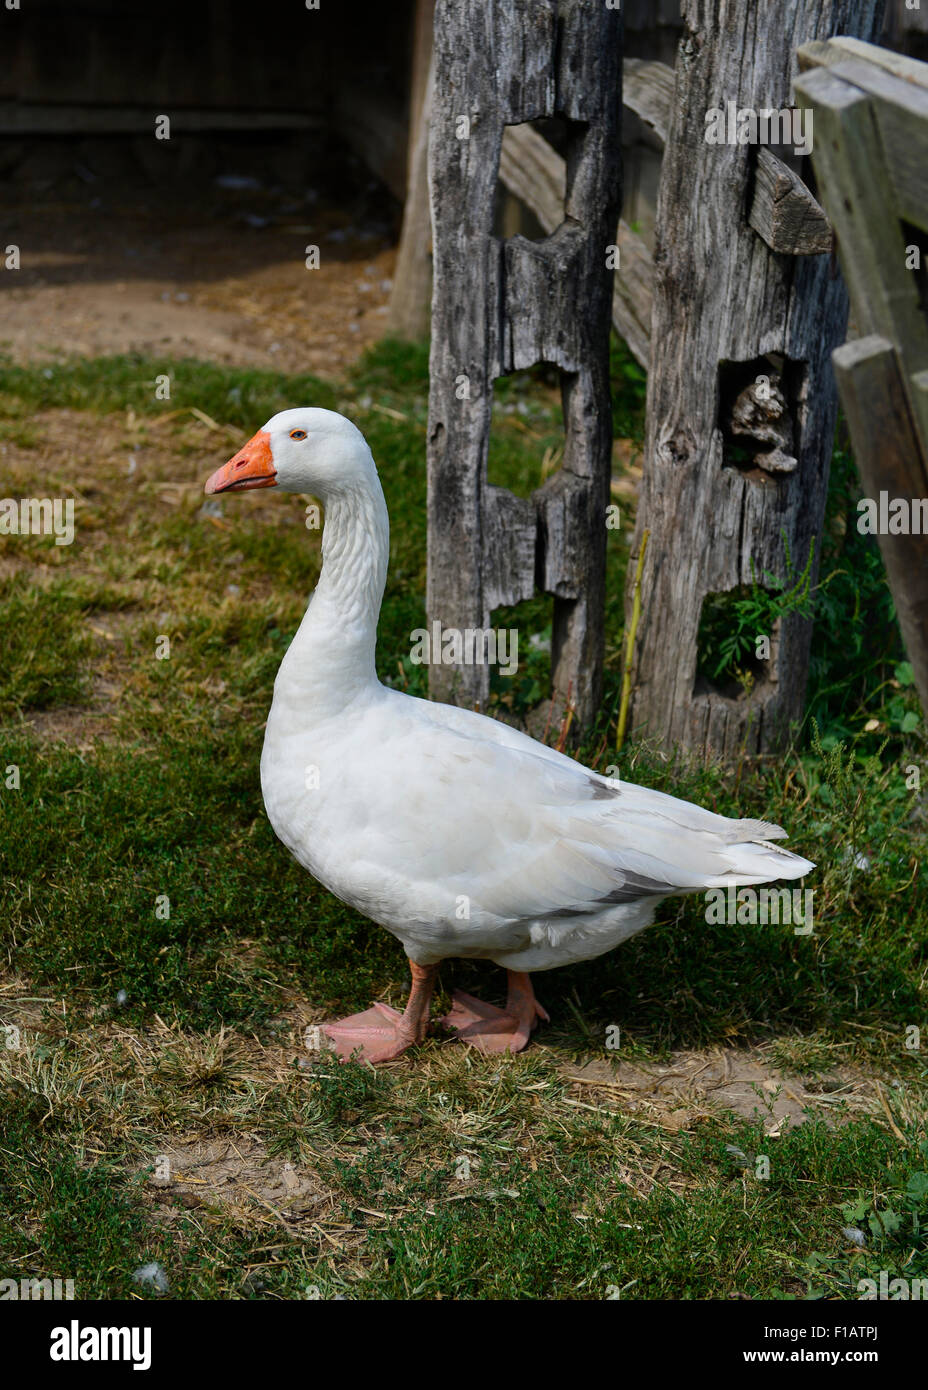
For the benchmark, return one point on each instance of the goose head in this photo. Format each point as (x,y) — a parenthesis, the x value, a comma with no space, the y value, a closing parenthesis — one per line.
(305,450)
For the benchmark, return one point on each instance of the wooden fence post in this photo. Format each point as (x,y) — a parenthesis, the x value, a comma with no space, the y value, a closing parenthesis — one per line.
(499,306)
(733,464)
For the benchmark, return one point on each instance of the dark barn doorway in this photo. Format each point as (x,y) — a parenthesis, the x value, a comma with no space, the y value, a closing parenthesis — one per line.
(287,130)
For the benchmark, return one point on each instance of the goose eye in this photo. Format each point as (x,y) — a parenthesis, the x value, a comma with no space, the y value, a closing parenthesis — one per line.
(297,434)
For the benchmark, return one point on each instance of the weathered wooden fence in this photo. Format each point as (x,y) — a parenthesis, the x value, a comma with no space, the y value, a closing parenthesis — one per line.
(870,154)
(501,305)
(741,398)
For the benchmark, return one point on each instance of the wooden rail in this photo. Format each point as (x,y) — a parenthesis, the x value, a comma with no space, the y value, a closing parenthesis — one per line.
(870,153)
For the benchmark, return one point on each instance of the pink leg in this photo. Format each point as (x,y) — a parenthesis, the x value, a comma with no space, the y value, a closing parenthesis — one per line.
(380,1034)
(497,1030)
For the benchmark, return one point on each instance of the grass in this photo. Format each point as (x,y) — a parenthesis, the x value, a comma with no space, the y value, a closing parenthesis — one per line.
(163,955)
(861,688)
(39,675)
(450,1179)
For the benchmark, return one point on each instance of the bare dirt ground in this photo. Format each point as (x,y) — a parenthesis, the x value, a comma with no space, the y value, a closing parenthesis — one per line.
(746,1081)
(208,263)
(238,1173)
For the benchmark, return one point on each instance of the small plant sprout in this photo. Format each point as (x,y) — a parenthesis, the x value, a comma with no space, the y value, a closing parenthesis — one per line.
(736,626)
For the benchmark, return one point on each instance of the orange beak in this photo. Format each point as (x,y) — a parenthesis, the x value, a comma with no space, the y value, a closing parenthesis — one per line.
(251,467)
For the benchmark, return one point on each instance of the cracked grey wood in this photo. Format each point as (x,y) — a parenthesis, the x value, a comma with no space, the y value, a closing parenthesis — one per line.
(647,89)
(785,213)
(536,173)
(501,306)
(721,295)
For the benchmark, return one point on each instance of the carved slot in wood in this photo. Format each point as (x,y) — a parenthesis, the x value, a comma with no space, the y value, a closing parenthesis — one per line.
(520,677)
(733,661)
(537,160)
(759,408)
(530,186)
(525,446)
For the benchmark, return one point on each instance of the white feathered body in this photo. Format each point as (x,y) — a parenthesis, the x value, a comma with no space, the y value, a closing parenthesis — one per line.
(465,837)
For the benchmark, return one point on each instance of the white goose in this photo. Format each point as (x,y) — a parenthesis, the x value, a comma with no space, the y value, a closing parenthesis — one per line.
(460,835)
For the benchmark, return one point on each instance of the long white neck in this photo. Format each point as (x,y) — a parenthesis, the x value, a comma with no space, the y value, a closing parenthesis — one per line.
(330,662)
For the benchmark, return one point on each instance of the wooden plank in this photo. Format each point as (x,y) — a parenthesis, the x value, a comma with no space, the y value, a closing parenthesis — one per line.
(856,185)
(647,89)
(510,531)
(543,282)
(785,213)
(902,116)
(564,516)
(633,293)
(889,460)
(841,47)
